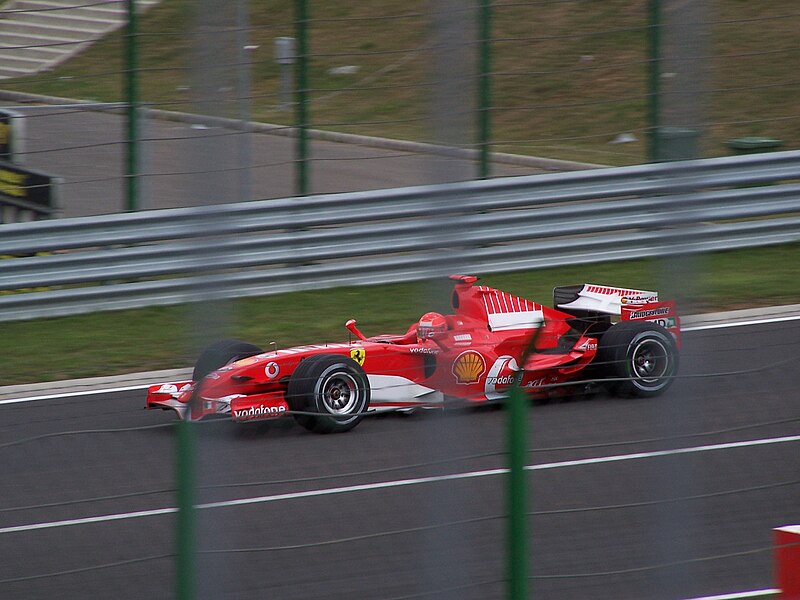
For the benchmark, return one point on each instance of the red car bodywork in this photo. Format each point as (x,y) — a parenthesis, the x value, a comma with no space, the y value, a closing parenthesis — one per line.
(492,338)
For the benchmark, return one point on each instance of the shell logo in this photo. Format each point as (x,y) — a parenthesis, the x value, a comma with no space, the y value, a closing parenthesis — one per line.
(468,367)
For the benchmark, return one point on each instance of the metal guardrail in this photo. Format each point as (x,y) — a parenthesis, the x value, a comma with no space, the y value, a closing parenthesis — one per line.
(519,223)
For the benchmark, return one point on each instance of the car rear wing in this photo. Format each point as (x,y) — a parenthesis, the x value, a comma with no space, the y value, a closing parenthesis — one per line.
(627,304)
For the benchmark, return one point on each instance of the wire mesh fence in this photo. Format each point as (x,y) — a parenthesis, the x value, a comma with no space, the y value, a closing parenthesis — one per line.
(673,497)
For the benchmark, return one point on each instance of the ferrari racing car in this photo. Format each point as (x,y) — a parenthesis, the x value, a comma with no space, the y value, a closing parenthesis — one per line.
(625,340)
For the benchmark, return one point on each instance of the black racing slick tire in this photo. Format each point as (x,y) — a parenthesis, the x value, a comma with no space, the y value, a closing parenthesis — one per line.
(639,358)
(220,354)
(330,393)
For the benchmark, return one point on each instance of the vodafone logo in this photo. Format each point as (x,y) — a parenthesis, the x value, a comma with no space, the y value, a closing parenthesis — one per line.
(503,374)
(272,370)
(504,380)
(258,412)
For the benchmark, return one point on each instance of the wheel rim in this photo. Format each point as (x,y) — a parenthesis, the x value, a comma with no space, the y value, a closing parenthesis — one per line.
(340,394)
(650,362)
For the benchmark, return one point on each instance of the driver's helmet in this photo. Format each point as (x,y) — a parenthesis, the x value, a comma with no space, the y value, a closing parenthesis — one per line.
(431,325)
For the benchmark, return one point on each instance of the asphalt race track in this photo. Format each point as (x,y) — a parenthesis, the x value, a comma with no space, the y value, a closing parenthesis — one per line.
(412,506)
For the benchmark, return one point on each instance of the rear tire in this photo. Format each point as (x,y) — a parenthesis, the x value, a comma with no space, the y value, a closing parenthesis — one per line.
(332,387)
(220,354)
(640,356)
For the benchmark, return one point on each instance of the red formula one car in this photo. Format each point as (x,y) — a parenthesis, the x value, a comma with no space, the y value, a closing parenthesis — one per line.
(475,354)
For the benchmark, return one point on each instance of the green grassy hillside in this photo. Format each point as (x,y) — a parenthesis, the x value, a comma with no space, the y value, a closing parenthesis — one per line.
(568,75)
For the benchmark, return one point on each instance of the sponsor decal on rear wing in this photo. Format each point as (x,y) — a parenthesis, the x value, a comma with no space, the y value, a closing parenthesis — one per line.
(662,313)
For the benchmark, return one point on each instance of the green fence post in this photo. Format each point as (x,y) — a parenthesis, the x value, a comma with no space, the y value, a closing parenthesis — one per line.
(131,88)
(302,96)
(185,529)
(517,495)
(484,86)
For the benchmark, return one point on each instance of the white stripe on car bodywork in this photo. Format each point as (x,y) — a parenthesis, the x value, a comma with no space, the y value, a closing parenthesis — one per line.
(393,389)
(529,319)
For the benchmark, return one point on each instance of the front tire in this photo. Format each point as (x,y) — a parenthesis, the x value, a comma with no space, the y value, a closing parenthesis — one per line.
(641,358)
(333,388)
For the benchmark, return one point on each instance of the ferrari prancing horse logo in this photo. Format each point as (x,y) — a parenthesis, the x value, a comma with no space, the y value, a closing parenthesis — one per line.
(358,355)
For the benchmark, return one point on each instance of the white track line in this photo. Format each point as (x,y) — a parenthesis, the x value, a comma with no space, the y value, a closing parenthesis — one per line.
(76,394)
(396,484)
(764,321)
(740,595)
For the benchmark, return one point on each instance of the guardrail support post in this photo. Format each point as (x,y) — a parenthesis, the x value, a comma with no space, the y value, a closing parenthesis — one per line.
(131,86)
(484,86)
(301,93)
(654,79)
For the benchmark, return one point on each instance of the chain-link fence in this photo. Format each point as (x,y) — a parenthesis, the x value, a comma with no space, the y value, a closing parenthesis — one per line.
(200,103)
